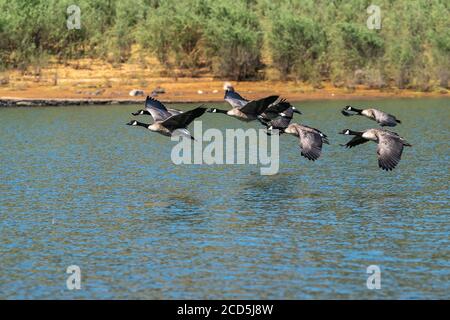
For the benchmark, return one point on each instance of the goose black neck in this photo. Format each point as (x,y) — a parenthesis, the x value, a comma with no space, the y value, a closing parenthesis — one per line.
(358,111)
(140,112)
(141,124)
(355,133)
(215,110)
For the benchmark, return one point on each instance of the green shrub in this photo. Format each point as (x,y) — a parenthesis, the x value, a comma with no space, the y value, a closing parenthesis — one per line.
(296,43)
(309,40)
(175,29)
(233,40)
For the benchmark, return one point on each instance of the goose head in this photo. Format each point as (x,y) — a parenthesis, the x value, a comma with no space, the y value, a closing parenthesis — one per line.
(211,110)
(140,112)
(140,124)
(132,123)
(228,86)
(351,132)
(294,109)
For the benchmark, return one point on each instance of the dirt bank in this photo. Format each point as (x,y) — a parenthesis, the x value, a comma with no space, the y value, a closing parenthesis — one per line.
(95,82)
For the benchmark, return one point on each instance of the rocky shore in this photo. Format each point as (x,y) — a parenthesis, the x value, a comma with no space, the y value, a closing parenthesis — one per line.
(63,102)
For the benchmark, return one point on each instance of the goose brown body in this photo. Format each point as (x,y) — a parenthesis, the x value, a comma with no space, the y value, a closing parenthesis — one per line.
(381,117)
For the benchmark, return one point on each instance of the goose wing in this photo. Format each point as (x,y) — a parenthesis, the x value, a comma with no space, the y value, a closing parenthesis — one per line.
(281,122)
(274,109)
(389,151)
(234,99)
(316,130)
(182,120)
(174,111)
(310,142)
(384,118)
(322,135)
(357,140)
(158,110)
(258,106)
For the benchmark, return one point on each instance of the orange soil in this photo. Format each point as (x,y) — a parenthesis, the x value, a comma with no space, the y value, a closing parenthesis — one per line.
(93,79)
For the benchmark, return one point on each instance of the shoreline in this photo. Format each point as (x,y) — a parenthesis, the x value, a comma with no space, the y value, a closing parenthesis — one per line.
(94,82)
(319,95)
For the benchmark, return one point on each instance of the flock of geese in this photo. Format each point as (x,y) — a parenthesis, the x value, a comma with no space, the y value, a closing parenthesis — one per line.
(276,114)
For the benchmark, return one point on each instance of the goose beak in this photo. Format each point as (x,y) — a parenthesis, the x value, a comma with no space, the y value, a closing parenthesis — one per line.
(297,111)
(135,113)
(130,123)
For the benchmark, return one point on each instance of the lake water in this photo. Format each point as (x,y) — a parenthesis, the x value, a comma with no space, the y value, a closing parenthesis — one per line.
(79,187)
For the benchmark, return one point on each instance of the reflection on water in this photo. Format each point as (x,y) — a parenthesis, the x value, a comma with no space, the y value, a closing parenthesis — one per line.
(77,186)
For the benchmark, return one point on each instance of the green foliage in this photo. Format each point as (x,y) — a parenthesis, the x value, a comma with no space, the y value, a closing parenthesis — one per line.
(364,43)
(296,43)
(311,40)
(174,29)
(120,36)
(234,39)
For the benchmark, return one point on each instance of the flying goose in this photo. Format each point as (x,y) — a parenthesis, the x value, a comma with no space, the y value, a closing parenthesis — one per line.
(168,125)
(244,109)
(276,109)
(383,118)
(151,103)
(390,145)
(279,123)
(310,140)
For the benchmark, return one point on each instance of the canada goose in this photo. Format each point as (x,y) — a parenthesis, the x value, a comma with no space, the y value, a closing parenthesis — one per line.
(383,118)
(275,110)
(153,104)
(390,145)
(310,140)
(177,122)
(279,123)
(243,109)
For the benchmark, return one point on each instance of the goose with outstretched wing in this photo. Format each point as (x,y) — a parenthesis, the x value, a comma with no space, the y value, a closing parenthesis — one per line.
(176,124)
(276,109)
(389,149)
(156,109)
(244,109)
(311,140)
(381,117)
